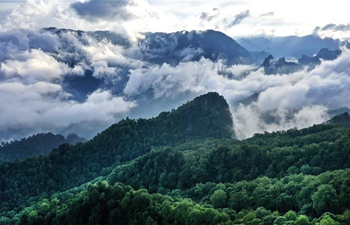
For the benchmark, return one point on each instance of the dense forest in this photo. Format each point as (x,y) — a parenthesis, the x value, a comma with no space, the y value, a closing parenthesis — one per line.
(36,145)
(185,167)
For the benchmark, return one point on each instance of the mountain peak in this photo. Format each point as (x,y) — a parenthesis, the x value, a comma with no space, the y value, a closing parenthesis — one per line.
(342,120)
(206,116)
(267,62)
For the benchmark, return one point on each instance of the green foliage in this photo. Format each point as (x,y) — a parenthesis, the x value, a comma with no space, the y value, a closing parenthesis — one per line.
(183,167)
(302,220)
(70,166)
(219,199)
(39,144)
(327,220)
(325,199)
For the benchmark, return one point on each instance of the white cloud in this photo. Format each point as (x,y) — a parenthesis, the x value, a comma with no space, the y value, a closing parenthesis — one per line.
(249,120)
(32,66)
(45,107)
(31,78)
(285,101)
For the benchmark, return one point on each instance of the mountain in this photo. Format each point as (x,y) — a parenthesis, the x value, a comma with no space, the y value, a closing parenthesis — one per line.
(272,178)
(71,48)
(279,66)
(207,116)
(39,144)
(184,167)
(342,120)
(290,46)
(323,54)
(173,48)
(336,112)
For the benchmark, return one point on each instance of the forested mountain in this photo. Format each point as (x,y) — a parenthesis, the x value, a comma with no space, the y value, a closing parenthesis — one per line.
(185,167)
(342,120)
(39,144)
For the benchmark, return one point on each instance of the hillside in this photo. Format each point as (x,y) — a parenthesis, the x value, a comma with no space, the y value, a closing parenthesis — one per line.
(39,144)
(184,167)
(341,119)
(207,116)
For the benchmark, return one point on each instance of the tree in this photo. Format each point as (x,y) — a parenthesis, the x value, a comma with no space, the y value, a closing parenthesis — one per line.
(302,220)
(325,199)
(327,220)
(218,199)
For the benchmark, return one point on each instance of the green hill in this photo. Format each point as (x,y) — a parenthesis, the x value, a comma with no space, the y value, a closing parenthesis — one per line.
(342,120)
(69,166)
(185,167)
(36,145)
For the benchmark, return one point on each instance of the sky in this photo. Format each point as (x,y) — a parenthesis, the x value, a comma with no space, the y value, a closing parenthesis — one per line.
(235,18)
(41,92)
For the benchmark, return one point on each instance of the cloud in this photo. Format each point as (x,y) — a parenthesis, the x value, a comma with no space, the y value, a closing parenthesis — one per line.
(249,120)
(32,66)
(209,16)
(340,31)
(42,103)
(269,14)
(239,18)
(284,101)
(335,27)
(43,72)
(104,9)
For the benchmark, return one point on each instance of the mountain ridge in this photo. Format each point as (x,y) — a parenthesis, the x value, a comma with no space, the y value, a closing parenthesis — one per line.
(68,166)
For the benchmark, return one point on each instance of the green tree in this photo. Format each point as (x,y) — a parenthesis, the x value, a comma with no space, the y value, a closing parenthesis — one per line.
(302,220)
(325,199)
(327,220)
(218,199)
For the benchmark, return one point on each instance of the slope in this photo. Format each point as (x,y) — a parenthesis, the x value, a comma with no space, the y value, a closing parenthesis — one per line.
(282,179)
(70,166)
(38,144)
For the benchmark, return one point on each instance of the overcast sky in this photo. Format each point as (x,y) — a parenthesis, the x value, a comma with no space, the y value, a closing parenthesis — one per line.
(235,18)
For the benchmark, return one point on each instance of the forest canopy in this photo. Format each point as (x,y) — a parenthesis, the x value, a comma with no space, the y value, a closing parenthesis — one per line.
(185,167)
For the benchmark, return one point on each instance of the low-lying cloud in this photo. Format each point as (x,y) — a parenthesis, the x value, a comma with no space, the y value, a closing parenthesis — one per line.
(285,101)
(35,67)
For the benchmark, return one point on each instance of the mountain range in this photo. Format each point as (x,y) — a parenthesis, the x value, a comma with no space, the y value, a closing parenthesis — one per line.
(291,46)
(281,66)
(139,78)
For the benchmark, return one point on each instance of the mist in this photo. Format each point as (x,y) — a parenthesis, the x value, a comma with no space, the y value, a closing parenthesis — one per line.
(64,81)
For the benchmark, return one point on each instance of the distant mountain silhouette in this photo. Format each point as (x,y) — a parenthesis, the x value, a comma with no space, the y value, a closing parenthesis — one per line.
(279,66)
(323,54)
(290,46)
(180,46)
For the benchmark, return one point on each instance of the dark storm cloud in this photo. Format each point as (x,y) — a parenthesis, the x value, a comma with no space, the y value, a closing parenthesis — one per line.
(239,18)
(103,9)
